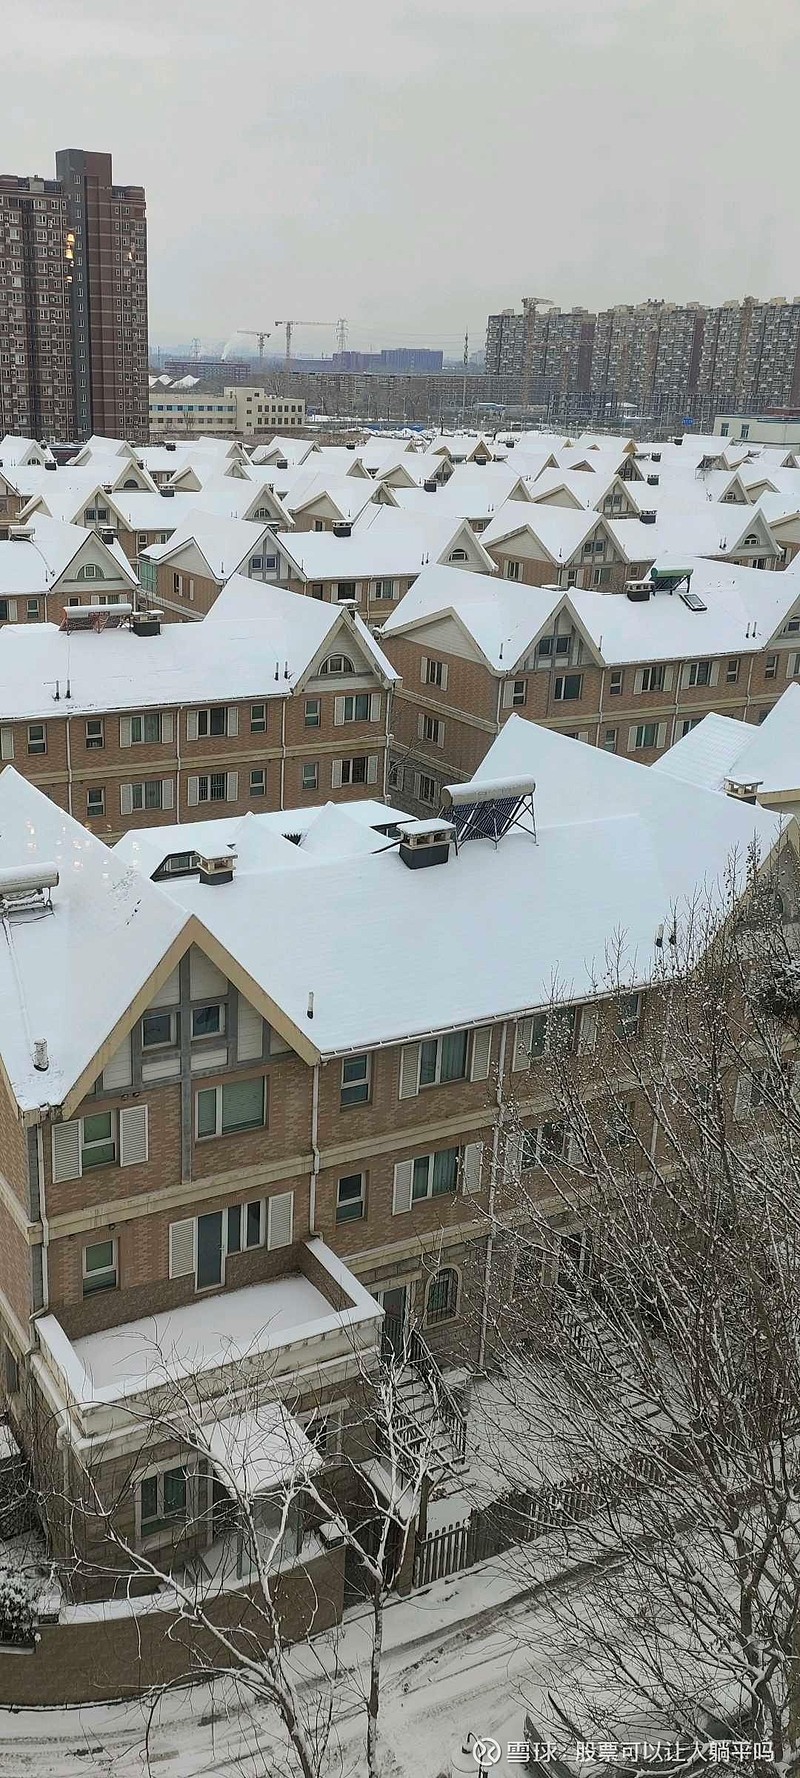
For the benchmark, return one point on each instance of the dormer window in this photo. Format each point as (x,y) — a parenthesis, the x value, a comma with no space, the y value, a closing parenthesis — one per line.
(336,666)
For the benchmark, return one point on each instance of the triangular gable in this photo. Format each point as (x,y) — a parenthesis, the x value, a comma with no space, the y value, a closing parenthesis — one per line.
(755,525)
(448,630)
(341,638)
(564,607)
(188,557)
(92,551)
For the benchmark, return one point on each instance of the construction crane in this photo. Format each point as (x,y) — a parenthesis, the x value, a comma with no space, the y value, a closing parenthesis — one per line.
(341,340)
(258,333)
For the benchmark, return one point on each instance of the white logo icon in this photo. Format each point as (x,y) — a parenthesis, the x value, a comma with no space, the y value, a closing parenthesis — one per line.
(486,1751)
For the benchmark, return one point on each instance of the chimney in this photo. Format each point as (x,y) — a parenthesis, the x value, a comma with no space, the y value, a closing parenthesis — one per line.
(423,843)
(41,1060)
(342,529)
(217,867)
(146,623)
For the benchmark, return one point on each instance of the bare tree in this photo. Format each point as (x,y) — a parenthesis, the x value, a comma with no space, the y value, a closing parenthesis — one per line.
(646,1328)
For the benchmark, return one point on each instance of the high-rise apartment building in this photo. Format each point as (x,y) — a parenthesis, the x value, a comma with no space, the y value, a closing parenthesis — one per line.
(73,302)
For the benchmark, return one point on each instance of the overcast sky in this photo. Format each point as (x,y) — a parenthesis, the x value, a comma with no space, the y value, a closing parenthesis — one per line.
(413,165)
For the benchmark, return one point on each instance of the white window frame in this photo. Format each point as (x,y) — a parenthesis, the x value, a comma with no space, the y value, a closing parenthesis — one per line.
(361,1200)
(219,1131)
(160,1012)
(97,791)
(151,1532)
(363,1080)
(113,1268)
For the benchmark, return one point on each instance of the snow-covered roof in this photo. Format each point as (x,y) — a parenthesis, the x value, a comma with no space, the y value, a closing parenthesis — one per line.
(358,827)
(14,451)
(305,487)
(230,655)
(559,530)
(710,529)
(383,542)
(33,564)
(743,608)
(224,543)
(724,750)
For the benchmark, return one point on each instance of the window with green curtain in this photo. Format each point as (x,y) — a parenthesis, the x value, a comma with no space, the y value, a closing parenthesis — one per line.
(445,1170)
(242,1105)
(428,1054)
(454,1056)
(207,1112)
(419,1187)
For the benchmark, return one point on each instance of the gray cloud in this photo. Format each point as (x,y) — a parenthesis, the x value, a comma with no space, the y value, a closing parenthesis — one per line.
(412,167)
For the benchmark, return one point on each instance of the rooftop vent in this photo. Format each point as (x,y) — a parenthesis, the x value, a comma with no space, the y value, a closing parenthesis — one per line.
(146,622)
(655,456)
(108,536)
(677,441)
(51,466)
(168,493)
(431,487)
(638,590)
(20,533)
(647,518)
(745,792)
(217,867)
(423,843)
(653,481)
(170,446)
(342,528)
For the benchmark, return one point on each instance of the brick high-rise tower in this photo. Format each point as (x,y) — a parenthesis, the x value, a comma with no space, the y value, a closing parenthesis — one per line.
(73,303)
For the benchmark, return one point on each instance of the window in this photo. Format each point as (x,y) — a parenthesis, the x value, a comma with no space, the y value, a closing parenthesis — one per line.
(212,787)
(238,1106)
(432,730)
(426,788)
(616,682)
(645,735)
(619,1125)
(458,555)
(545,1143)
(354,771)
(574,1260)
(336,666)
(442,1300)
(258,781)
(356,708)
(350,1198)
(653,678)
(95,803)
(513,570)
(145,728)
(771,667)
(95,732)
(345,589)
(732,671)
(443,1059)
(435,1174)
(744,429)
(208,1021)
(163,1500)
(310,777)
(98,1140)
(256,564)
(312,713)
(724,429)
(212,722)
(90,571)
(32,610)
(258,719)
(699,673)
(245,1226)
(159,1030)
(794,666)
(567,688)
(629,1015)
(148,795)
(384,589)
(37,737)
(434,673)
(690,722)
(99,1267)
(519,693)
(554,1032)
(610,740)
(355,1080)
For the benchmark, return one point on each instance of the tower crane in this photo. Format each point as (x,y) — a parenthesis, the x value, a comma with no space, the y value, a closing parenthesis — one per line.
(257,333)
(341,340)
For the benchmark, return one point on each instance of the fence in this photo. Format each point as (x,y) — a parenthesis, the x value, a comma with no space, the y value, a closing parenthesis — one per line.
(522,1517)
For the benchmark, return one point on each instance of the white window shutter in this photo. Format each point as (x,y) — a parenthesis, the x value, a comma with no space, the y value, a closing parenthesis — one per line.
(336,774)
(117,1072)
(444,676)
(280,1220)
(420,727)
(6,743)
(587,1030)
(232,723)
(632,739)
(249,1033)
(372,768)
(193,792)
(508,694)
(423,669)
(403,1182)
(338,712)
(668,678)
(181,1247)
(481,1053)
(638,680)
(232,786)
(661,735)
(191,725)
(523,1038)
(167,793)
(471,1165)
(513,1154)
(375,706)
(132,1135)
(12,610)
(409,1071)
(126,799)
(686,675)
(166,726)
(66,1150)
(714,673)
(124,731)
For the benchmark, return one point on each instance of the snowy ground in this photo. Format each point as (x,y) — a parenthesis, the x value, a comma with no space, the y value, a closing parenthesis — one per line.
(456,1659)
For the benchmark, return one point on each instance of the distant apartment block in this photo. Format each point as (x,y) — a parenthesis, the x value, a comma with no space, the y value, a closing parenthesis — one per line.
(73,302)
(246,411)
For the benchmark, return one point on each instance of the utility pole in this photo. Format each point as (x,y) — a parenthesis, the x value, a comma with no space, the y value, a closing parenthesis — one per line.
(464,382)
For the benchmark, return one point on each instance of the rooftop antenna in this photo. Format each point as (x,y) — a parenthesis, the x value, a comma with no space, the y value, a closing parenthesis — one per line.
(310,1007)
(68,692)
(286,669)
